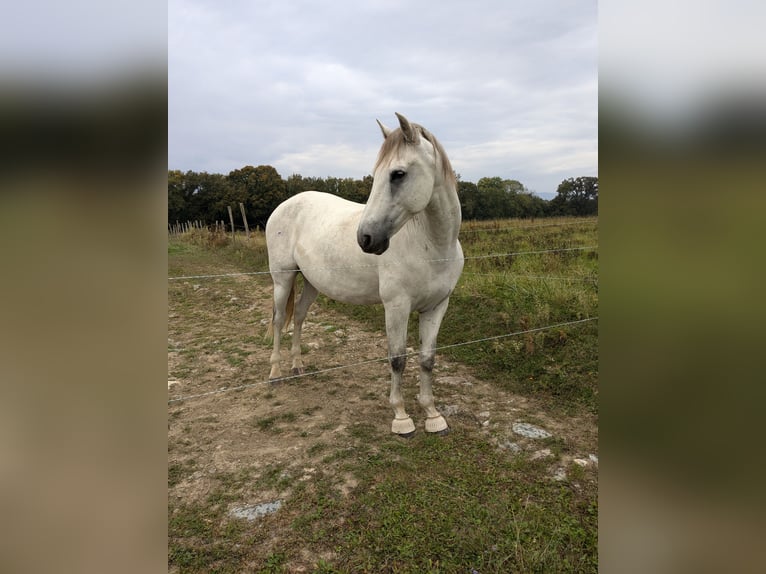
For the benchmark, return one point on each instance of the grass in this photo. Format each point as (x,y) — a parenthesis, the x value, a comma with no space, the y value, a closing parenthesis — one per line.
(449,505)
(502,295)
(272,423)
(458,502)
(431,504)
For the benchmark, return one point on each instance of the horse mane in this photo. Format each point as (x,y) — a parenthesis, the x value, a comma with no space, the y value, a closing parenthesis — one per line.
(395,141)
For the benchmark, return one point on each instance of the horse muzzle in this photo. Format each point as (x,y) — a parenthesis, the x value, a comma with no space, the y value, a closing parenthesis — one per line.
(372,243)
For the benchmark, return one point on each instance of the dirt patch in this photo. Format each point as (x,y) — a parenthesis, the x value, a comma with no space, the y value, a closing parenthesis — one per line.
(279,434)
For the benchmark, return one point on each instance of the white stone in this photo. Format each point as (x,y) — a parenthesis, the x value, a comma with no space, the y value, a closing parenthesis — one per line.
(449,410)
(256,511)
(530,431)
(509,445)
(543,453)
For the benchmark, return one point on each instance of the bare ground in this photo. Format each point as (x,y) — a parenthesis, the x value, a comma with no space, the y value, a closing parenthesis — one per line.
(216,330)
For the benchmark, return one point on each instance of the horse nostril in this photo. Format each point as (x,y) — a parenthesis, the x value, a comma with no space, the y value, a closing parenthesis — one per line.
(366,241)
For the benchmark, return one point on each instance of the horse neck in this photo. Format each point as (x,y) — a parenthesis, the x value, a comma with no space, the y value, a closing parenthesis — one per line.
(441,217)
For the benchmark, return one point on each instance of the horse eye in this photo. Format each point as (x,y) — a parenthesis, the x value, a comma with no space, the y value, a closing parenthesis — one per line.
(397,175)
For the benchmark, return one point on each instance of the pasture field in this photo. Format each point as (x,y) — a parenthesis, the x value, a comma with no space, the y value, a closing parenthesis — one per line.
(487,498)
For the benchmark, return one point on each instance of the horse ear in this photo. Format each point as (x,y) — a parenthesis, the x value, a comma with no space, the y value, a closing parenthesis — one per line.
(384,129)
(410,133)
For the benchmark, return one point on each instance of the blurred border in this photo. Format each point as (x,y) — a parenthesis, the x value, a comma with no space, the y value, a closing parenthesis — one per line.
(83,295)
(682,140)
(83,110)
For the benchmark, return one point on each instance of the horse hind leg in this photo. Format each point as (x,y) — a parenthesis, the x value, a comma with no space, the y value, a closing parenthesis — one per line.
(308,296)
(284,296)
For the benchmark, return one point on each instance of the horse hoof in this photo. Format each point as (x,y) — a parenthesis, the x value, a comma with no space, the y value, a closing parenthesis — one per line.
(403,427)
(436,425)
(296,371)
(275,382)
(443,432)
(407,435)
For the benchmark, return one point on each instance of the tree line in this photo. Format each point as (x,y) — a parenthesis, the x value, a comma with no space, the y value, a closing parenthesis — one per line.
(194,196)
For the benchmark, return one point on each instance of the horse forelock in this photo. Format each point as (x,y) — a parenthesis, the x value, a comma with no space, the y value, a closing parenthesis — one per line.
(395,143)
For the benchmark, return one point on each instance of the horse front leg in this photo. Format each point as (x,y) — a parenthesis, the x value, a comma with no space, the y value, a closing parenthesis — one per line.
(430,322)
(396,331)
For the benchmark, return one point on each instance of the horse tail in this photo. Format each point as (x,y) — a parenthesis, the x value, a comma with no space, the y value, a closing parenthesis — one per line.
(289,310)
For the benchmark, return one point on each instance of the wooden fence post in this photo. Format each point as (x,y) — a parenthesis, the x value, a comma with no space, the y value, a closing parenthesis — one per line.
(231,218)
(244,218)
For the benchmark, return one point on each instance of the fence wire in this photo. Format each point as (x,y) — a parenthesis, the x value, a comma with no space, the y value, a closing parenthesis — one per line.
(466,258)
(383,359)
(370,361)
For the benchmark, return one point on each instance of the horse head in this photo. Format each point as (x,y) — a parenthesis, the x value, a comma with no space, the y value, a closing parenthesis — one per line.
(403,183)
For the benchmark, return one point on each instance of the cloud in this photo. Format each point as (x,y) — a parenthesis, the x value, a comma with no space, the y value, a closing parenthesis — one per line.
(322,160)
(298,86)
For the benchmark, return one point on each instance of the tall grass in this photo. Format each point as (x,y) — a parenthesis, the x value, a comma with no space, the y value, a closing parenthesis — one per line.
(517,290)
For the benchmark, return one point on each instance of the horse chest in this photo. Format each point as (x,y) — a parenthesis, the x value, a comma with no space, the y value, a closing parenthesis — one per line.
(424,283)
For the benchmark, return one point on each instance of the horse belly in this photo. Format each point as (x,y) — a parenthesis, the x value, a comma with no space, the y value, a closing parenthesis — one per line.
(329,257)
(345,285)
(345,279)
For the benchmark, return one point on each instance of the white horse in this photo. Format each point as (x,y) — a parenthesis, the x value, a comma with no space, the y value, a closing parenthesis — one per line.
(400,249)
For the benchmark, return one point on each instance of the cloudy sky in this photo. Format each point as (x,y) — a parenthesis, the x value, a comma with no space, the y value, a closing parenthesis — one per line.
(508,86)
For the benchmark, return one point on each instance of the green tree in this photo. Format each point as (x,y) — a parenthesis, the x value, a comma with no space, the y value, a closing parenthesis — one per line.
(295,184)
(206,201)
(193,196)
(357,190)
(492,200)
(260,188)
(176,197)
(498,198)
(363,188)
(468,193)
(576,196)
(530,205)
(516,202)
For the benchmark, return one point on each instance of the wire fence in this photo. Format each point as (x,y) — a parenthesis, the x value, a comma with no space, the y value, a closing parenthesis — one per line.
(337,268)
(442,348)
(487,229)
(377,360)
(479,227)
